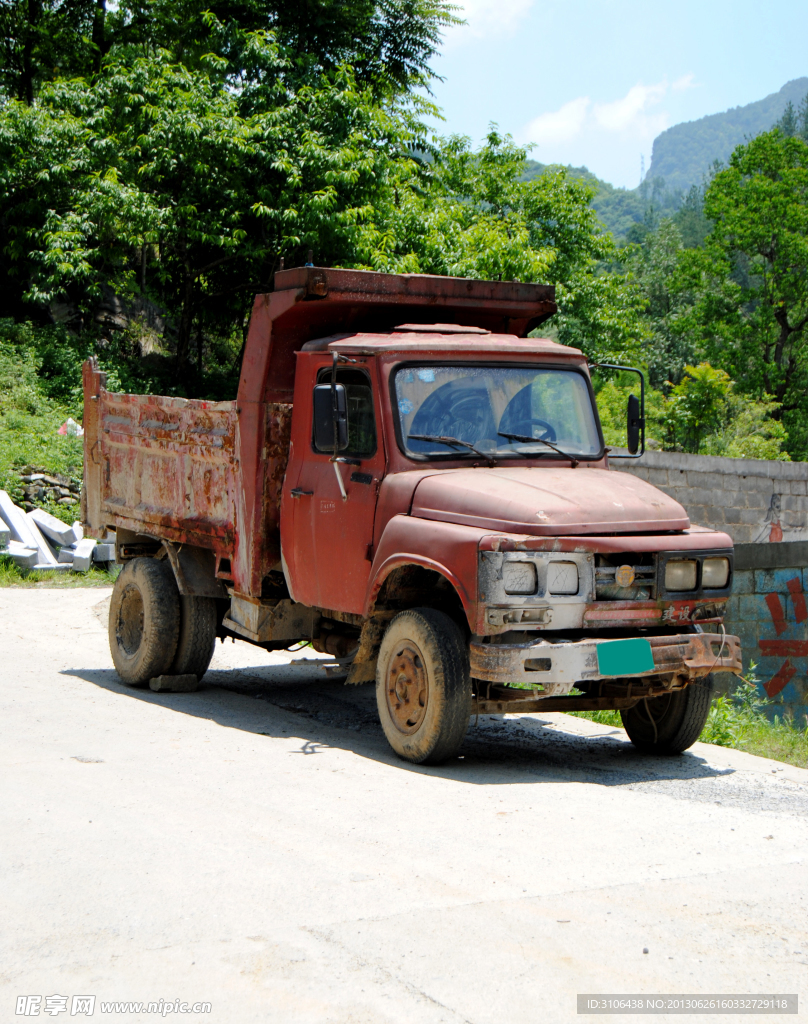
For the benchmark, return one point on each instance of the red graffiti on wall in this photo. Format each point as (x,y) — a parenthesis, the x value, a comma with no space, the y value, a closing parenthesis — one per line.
(784,648)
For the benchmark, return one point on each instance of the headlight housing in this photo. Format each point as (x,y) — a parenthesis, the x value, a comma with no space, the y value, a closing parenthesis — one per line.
(520,578)
(715,573)
(562,578)
(682,574)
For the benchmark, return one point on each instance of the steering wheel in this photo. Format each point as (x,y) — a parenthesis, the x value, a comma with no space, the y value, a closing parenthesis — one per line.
(549,432)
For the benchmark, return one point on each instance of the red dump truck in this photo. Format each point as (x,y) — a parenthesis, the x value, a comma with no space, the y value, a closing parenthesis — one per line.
(416,486)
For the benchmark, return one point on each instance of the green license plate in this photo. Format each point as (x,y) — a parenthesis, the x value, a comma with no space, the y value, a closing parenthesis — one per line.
(625,657)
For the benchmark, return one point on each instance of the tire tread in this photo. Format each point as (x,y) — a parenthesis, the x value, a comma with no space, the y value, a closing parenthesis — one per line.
(161,617)
(197,636)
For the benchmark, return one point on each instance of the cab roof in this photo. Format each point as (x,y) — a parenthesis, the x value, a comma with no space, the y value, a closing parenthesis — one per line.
(436,343)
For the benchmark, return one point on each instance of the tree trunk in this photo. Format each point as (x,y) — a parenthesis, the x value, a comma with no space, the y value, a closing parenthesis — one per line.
(99,35)
(26,90)
(186,325)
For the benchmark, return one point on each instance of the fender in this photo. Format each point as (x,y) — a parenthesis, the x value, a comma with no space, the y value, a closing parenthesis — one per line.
(446,548)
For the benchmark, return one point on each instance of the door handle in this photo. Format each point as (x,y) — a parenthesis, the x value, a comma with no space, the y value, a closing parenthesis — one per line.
(297,492)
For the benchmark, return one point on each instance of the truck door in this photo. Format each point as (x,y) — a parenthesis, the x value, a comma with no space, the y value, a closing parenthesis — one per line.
(327,549)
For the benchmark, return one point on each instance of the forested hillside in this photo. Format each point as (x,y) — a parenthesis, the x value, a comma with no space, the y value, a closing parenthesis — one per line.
(621,210)
(683,157)
(683,154)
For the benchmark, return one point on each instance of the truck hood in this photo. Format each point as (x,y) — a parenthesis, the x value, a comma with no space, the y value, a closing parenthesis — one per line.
(547,501)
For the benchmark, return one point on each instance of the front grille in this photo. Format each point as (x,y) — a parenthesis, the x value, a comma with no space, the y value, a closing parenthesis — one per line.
(643,586)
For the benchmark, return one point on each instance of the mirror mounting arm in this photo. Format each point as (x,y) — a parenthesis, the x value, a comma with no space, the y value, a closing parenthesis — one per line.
(637,454)
(335,458)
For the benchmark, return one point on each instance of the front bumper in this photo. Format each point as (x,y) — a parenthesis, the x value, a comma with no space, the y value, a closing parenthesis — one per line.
(554,668)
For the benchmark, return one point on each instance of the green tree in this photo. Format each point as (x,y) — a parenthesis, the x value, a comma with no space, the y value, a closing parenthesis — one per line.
(471,213)
(795,120)
(206,185)
(41,40)
(697,406)
(750,281)
(388,43)
(654,266)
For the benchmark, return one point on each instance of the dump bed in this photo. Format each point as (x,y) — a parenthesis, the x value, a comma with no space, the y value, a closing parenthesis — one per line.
(209,474)
(167,467)
(165,462)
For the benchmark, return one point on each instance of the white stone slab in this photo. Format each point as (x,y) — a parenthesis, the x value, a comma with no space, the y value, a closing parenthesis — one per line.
(16,520)
(53,528)
(83,554)
(66,556)
(78,531)
(24,556)
(46,556)
(104,552)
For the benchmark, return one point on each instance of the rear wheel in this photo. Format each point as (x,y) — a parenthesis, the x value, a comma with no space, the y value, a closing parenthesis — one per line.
(671,723)
(423,687)
(144,620)
(197,636)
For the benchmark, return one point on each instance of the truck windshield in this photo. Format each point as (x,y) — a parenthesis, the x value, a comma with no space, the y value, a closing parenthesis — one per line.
(480,404)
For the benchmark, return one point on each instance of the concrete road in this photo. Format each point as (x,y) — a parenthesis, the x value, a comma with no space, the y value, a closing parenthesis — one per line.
(257,846)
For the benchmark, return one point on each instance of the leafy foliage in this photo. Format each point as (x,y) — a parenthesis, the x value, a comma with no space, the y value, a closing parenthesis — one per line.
(389,43)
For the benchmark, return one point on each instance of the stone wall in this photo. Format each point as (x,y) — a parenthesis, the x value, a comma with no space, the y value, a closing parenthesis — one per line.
(763,506)
(753,500)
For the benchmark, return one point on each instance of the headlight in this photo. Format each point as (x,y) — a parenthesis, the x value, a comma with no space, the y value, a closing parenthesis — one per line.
(562,578)
(715,573)
(681,575)
(520,578)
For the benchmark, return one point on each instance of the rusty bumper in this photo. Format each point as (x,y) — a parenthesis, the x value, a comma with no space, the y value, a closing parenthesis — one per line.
(554,668)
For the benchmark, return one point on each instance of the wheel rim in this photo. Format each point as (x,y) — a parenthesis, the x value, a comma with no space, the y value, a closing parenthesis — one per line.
(407,688)
(129,627)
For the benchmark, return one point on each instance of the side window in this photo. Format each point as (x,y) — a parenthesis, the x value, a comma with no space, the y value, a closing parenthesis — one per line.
(361,421)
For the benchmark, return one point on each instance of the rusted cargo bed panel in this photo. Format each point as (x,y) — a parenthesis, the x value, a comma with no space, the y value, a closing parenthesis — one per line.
(169,458)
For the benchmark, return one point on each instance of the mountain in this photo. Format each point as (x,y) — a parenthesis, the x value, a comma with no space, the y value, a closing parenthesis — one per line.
(685,152)
(682,156)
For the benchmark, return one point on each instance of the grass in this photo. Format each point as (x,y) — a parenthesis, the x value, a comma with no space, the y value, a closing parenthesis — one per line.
(30,418)
(11,575)
(739,720)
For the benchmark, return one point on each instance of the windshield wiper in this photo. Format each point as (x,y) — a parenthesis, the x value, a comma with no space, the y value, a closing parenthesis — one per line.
(451,441)
(540,440)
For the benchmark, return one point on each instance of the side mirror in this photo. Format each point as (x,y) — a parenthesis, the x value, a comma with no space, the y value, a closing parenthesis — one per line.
(330,408)
(634,425)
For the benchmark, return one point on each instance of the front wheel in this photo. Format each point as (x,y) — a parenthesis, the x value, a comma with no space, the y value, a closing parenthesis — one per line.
(671,723)
(423,687)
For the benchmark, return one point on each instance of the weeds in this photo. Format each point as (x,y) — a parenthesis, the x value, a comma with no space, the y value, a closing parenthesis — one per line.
(739,720)
(11,575)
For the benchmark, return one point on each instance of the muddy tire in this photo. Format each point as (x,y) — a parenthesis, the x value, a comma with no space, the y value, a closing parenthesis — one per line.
(423,687)
(671,723)
(197,636)
(144,620)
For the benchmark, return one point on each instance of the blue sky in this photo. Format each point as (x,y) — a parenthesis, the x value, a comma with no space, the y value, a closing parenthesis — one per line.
(594,81)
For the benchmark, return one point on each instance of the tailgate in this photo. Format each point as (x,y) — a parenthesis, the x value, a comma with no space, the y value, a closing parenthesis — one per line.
(157,462)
